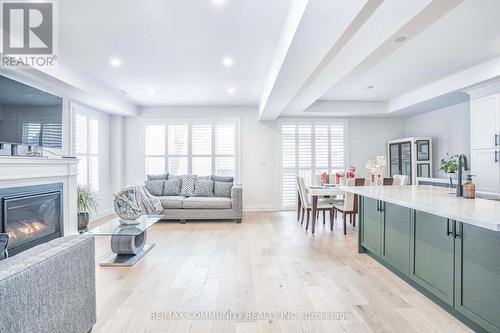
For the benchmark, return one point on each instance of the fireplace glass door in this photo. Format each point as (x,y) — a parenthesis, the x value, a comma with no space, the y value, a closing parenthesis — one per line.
(32,219)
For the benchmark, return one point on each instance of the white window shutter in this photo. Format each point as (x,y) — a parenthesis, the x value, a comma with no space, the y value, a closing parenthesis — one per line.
(308,149)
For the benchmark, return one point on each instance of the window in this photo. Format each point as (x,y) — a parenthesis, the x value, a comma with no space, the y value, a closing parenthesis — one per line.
(201,148)
(308,149)
(87,151)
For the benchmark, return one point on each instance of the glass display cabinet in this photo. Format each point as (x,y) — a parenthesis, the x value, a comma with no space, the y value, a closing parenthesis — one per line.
(411,157)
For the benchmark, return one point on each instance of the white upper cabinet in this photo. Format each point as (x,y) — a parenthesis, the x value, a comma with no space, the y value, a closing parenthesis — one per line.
(485,164)
(485,122)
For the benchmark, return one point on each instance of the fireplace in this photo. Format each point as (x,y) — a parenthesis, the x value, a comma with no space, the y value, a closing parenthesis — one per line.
(31,215)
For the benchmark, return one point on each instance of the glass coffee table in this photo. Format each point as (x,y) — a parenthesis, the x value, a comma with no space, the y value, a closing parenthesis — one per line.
(128,242)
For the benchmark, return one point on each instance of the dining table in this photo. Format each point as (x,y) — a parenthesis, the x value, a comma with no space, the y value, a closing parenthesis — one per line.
(316,191)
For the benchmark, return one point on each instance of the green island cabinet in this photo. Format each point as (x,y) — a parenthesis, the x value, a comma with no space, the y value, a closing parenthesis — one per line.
(455,264)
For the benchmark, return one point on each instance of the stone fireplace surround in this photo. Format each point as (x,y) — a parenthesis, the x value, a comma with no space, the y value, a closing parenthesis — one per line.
(28,171)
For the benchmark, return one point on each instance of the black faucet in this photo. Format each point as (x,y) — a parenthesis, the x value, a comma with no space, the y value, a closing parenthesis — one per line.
(462,162)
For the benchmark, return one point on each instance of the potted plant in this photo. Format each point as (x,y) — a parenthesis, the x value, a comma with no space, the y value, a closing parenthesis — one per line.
(87,202)
(449,166)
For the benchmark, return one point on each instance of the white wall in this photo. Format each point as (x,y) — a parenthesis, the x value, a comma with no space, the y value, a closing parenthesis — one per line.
(257,150)
(259,156)
(449,128)
(368,138)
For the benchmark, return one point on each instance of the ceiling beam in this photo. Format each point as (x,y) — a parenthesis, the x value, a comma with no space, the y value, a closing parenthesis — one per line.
(312,29)
(448,87)
(371,44)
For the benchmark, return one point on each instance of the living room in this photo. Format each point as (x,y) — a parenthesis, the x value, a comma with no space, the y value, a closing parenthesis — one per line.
(236,166)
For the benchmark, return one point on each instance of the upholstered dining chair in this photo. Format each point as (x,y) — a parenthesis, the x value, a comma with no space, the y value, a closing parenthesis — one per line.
(346,207)
(388,181)
(323,205)
(352,217)
(400,180)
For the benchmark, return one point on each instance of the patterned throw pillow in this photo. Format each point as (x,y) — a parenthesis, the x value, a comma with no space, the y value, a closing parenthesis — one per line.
(172,187)
(223,189)
(187,188)
(158,177)
(155,187)
(203,188)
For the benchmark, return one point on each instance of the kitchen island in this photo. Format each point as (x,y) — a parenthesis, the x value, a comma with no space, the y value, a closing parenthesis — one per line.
(446,247)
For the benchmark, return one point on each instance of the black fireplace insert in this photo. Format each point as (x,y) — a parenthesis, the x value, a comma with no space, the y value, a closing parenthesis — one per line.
(31,215)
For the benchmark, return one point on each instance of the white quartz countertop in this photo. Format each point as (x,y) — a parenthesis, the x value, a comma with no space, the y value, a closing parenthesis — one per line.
(438,201)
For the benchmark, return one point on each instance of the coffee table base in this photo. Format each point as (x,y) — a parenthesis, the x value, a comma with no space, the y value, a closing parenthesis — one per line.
(124,260)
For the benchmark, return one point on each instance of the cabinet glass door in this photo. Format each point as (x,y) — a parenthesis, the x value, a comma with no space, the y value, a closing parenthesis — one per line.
(394,159)
(424,170)
(406,159)
(423,150)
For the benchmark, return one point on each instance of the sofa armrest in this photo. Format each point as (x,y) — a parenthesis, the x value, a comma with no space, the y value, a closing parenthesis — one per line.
(50,287)
(237,199)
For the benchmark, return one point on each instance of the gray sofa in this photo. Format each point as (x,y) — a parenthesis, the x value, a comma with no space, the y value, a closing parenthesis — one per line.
(184,208)
(49,288)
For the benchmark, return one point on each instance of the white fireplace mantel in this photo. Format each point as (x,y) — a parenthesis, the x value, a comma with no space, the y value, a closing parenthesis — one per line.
(26,171)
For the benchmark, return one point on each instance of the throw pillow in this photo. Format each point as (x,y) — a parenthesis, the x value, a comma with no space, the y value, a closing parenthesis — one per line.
(223,189)
(223,179)
(158,177)
(172,187)
(204,178)
(187,187)
(155,187)
(203,188)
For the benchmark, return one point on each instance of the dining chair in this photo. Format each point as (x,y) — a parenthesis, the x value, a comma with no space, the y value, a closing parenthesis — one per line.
(323,205)
(347,207)
(299,200)
(357,182)
(388,181)
(400,180)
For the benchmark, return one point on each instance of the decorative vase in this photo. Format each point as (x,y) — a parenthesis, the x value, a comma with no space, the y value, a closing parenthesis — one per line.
(452,176)
(83,222)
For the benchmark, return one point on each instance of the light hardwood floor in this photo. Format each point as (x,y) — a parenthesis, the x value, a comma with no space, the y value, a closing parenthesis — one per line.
(267,264)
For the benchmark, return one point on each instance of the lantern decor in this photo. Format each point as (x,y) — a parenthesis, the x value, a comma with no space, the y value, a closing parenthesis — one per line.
(376,169)
(325,179)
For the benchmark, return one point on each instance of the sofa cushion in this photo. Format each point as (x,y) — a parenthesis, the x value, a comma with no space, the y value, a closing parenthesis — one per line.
(158,177)
(227,179)
(206,203)
(223,189)
(174,201)
(155,187)
(172,187)
(203,188)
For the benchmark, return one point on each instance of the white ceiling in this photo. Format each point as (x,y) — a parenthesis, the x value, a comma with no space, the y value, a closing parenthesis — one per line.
(291,57)
(175,47)
(466,36)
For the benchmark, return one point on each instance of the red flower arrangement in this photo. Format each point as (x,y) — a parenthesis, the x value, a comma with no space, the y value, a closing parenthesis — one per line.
(325,178)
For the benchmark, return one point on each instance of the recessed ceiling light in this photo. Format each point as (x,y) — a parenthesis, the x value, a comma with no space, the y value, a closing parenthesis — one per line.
(227,61)
(115,62)
(231,90)
(218,2)
(400,39)
(151,91)
(369,87)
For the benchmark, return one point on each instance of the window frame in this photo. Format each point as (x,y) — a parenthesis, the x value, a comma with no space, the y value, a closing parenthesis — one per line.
(88,154)
(190,122)
(313,169)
